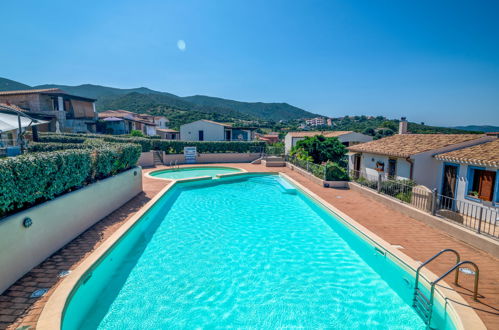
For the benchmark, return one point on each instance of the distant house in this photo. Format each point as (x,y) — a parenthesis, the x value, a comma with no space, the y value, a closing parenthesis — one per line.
(207,130)
(62,111)
(318,121)
(409,156)
(471,173)
(160,121)
(123,122)
(168,134)
(270,138)
(348,138)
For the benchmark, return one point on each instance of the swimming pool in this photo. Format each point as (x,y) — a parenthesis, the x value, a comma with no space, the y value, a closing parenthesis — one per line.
(246,252)
(192,172)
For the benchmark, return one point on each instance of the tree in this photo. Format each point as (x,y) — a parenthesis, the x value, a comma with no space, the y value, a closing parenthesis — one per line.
(136,132)
(323,149)
(369,131)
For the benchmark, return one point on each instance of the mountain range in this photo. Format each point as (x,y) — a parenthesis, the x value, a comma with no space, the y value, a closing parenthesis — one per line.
(143,99)
(478,128)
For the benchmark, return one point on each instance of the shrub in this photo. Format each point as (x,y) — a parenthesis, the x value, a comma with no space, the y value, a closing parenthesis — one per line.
(177,147)
(145,143)
(46,146)
(60,138)
(136,133)
(31,178)
(336,172)
(40,176)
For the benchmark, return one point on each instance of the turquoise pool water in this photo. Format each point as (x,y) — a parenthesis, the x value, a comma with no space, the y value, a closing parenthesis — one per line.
(249,252)
(192,172)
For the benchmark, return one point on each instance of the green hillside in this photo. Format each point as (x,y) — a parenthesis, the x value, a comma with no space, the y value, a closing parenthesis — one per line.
(139,99)
(478,128)
(11,85)
(381,126)
(270,111)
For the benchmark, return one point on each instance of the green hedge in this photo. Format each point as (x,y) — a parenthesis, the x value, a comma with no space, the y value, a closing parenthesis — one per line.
(37,177)
(60,138)
(146,144)
(177,147)
(47,147)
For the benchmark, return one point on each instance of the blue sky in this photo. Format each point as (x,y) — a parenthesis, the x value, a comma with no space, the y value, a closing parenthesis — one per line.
(432,61)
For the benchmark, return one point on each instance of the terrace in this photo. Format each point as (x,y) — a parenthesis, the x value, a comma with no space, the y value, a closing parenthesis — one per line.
(414,238)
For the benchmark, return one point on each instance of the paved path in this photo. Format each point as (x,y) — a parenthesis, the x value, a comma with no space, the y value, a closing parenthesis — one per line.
(418,240)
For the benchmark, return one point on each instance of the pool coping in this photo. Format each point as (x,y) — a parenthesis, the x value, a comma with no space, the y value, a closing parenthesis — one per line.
(148,174)
(52,313)
(461,314)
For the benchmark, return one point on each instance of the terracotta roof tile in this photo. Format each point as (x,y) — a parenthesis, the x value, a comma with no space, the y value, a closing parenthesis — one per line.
(314,133)
(166,130)
(32,91)
(486,154)
(405,145)
(14,107)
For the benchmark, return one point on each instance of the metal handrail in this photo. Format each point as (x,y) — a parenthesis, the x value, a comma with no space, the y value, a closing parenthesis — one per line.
(458,258)
(429,307)
(456,266)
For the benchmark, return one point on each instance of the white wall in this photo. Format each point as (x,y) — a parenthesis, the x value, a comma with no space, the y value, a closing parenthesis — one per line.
(368,165)
(55,223)
(212,132)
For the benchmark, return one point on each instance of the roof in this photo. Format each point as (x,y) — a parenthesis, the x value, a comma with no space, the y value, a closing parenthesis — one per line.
(215,122)
(12,107)
(116,113)
(112,119)
(486,154)
(226,125)
(406,145)
(166,130)
(55,91)
(323,133)
(31,91)
(124,114)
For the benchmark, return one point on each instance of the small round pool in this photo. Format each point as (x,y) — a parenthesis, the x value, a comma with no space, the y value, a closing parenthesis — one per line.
(192,172)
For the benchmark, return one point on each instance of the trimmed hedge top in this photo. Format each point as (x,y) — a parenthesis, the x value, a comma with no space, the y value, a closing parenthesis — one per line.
(168,146)
(36,177)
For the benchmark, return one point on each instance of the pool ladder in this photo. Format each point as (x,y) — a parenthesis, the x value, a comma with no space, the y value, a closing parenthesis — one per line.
(423,304)
(174,165)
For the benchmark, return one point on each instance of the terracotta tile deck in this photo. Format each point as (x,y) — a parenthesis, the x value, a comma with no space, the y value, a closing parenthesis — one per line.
(418,240)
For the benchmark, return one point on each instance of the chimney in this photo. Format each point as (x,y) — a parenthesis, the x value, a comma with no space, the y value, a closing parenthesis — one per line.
(403,126)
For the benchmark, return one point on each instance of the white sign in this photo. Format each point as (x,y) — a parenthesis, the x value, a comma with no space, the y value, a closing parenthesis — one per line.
(190,154)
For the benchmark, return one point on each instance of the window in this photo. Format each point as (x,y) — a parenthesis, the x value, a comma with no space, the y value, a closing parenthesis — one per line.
(201,135)
(481,184)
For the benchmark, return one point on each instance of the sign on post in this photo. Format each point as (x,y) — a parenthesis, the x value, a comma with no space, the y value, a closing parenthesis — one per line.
(190,154)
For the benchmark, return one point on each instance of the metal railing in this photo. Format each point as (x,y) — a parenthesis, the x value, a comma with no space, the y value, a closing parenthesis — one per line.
(481,218)
(317,170)
(274,151)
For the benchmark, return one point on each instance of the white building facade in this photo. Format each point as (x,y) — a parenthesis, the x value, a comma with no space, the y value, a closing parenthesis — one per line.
(207,130)
(409,156)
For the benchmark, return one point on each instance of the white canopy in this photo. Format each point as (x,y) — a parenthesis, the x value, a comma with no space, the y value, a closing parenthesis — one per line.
(10,122)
